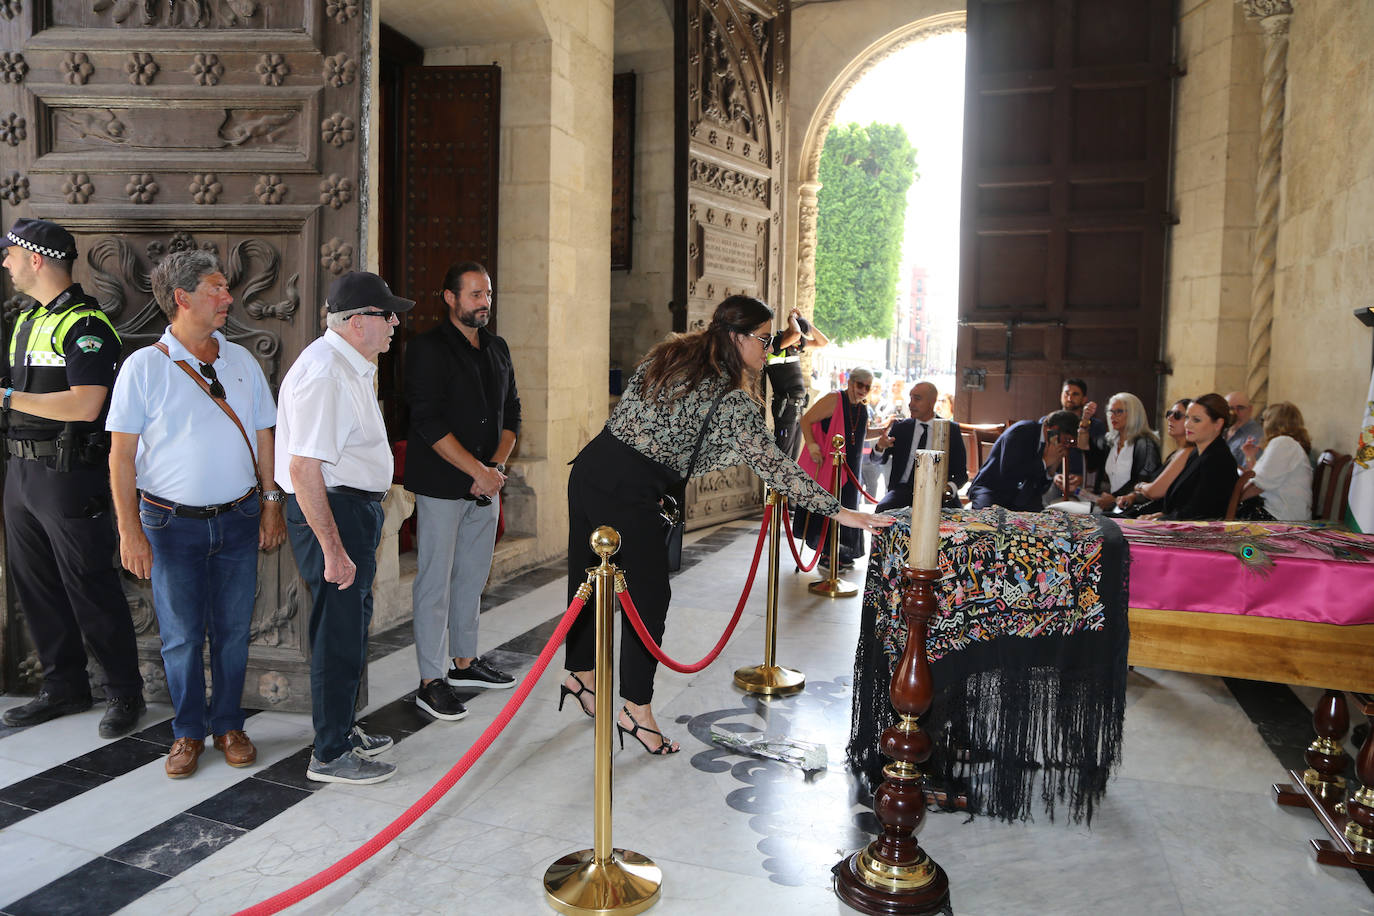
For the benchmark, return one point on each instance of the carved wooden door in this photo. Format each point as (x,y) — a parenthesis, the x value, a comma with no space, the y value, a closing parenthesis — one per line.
(231,125)
(732,119)
(1065,198)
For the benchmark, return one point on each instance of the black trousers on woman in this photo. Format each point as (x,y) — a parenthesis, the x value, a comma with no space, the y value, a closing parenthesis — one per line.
(612,484)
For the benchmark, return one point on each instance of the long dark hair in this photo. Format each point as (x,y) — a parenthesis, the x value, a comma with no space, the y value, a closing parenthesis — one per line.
(686,360)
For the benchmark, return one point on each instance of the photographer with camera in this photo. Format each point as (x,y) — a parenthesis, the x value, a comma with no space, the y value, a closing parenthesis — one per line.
(58,370)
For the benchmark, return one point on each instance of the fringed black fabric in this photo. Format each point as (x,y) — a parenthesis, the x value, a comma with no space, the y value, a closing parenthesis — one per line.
(1011,711)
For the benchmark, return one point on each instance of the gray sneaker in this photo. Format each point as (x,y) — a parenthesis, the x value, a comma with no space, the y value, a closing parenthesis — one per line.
(368,745)
(350,767)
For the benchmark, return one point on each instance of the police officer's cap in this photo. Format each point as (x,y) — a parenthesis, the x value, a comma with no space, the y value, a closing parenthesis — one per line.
(359,289)
(42,237)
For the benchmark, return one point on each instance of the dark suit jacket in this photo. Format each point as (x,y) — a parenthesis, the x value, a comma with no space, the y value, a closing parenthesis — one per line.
(899,494)
(1014,474)
(1203,488)
(1145,466)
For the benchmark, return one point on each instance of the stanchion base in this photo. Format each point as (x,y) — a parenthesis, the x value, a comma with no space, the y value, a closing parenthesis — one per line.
(898,898)
(769,680)
(626,883)
(833,588)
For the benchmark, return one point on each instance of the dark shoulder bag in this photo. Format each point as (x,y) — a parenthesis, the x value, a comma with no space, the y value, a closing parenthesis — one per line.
(674,502)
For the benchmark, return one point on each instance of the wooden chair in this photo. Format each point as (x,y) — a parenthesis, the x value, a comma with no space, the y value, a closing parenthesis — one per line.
(978,440)
(1331,486)
(1242,482)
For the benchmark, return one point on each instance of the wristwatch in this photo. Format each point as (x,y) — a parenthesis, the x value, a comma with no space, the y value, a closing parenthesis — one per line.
(500,467)
(273,496)
(5,401)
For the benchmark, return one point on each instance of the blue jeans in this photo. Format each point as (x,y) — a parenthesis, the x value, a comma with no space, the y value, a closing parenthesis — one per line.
(205,578)
(339,618)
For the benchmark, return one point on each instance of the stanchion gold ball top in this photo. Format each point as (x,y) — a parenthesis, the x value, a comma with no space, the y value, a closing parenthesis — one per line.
(605,541)
(837,441)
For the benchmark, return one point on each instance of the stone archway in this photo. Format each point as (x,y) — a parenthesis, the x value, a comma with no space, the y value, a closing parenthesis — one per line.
(808,179)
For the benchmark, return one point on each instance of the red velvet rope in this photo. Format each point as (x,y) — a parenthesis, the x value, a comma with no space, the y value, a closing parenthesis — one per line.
(296,894)
(632,614)
(860,487)
(791,543)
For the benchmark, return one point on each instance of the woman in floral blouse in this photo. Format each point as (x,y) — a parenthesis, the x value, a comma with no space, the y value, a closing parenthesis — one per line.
(645,449)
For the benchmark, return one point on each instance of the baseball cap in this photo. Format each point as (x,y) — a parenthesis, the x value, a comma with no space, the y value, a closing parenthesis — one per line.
(40,236)
(359,289)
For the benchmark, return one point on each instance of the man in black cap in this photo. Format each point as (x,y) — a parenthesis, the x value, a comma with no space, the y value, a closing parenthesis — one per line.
(334,462)
(58,372)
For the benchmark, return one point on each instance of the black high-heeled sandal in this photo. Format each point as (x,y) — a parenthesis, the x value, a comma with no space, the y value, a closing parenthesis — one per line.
(564,692)
(665,746)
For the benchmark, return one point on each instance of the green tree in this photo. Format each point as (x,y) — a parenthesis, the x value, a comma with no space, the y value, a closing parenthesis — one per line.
(861,211)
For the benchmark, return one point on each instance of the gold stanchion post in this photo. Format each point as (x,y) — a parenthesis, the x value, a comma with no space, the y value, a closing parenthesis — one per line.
(833,586)
(769,679)
(603,879)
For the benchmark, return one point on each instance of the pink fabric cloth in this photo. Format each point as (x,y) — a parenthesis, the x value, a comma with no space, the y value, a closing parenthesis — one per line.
(825,474)
(1304,584)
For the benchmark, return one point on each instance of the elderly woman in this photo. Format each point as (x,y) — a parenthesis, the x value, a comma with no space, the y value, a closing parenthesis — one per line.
(1132,450)
(1283,473)
(692,388)
(1203,488)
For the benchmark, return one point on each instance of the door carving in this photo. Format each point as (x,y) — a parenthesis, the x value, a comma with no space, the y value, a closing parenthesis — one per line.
(228,125)
(732,78)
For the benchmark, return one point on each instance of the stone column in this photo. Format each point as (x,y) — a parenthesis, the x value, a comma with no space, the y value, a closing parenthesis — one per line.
(806,262)
(1272,16)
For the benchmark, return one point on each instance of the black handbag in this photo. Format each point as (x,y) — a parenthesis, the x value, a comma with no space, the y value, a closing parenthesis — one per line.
(672,506)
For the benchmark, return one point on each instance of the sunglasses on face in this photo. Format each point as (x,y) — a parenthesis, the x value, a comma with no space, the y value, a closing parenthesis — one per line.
(1175,415)
(763,340)
(216,389)
(386,316)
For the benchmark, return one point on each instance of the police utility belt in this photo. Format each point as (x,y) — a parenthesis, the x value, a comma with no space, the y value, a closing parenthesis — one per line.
(65,450)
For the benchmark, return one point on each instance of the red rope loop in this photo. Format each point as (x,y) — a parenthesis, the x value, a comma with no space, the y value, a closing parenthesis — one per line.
(632,614)
(791,543)
(294,895)
(854,479)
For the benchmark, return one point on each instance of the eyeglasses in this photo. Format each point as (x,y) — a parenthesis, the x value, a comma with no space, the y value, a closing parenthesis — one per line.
(386,316)
(1175,415)
(1116,410)
(763,340)
(216,389)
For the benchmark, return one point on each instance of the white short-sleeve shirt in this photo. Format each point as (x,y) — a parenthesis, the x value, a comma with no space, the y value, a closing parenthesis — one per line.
(1284,474)
(189,451)
(328,410)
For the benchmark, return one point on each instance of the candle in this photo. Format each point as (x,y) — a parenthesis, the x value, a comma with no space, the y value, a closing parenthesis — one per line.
(928,476)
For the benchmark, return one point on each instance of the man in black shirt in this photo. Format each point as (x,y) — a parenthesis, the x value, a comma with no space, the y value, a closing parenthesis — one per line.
(464,417)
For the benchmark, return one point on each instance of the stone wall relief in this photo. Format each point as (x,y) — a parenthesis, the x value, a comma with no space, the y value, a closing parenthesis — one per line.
(174,14)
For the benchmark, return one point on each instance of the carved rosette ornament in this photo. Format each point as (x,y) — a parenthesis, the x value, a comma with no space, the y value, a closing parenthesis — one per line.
(339,70)
(77,189)
(14,188)
(341,10)
(337,129)
(76,68)
(272,69)
(13,67)
(1273,16)
(274,687)
(141,67)
(11,8)
(336,256)
(206,69)
(13,129)
(205,189)
(335,191)
(141,188)
(270,189)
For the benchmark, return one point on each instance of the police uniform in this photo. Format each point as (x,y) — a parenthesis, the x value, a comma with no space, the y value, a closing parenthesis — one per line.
(59,533)
(783,368)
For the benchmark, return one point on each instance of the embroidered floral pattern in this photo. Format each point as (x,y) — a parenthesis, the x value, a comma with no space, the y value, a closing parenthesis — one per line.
(77,189)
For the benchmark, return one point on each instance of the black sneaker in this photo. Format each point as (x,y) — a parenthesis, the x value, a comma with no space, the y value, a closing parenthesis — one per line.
(479,674)
(368,745)
(439,700)
(121,716)
(45,707)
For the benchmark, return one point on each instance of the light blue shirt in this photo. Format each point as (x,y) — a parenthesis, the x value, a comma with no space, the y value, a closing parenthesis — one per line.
(189,451)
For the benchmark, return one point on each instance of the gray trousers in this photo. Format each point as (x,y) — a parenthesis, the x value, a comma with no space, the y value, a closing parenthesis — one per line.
(454,540)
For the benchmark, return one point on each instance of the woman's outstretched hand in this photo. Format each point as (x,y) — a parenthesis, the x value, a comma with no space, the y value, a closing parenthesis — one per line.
(868,521)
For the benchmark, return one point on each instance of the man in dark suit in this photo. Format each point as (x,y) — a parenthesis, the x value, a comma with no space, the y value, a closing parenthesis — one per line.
(898,442)
(1023,461)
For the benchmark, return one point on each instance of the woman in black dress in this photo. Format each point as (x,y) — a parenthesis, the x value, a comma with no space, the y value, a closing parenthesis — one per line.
(1203,488)
(855,413)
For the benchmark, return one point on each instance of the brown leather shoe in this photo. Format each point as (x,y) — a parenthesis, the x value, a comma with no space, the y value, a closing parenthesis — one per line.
(238,750)
(185,754)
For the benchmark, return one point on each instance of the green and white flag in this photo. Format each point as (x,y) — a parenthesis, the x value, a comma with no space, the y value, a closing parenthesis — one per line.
(1361,516)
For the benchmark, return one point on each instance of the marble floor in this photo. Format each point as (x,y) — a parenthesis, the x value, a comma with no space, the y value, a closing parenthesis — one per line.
(1187,826)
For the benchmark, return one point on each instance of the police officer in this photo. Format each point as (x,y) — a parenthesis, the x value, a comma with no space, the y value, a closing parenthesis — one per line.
(58,370)
(783,368)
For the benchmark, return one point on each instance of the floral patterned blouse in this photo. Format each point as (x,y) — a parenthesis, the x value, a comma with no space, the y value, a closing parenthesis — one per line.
(666,429)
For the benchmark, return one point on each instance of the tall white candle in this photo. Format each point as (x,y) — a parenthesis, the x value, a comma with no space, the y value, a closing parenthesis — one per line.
(928,477)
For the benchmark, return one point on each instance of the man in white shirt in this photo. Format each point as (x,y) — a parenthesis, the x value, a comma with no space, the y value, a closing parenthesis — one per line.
(185,478)
(334,462)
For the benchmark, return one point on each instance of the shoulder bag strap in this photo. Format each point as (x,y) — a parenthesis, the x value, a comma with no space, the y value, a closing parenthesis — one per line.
(223,405)
(701,437)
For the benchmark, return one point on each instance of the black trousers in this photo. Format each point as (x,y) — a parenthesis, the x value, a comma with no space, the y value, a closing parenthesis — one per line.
(612,484)
(61,543)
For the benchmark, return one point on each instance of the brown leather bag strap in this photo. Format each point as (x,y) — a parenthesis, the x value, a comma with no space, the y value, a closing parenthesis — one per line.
(223,405)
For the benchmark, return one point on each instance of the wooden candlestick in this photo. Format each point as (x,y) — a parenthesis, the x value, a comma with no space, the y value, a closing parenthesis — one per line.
(893,874)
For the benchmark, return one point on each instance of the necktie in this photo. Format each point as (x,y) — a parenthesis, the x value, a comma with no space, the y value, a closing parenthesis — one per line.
(911,456)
